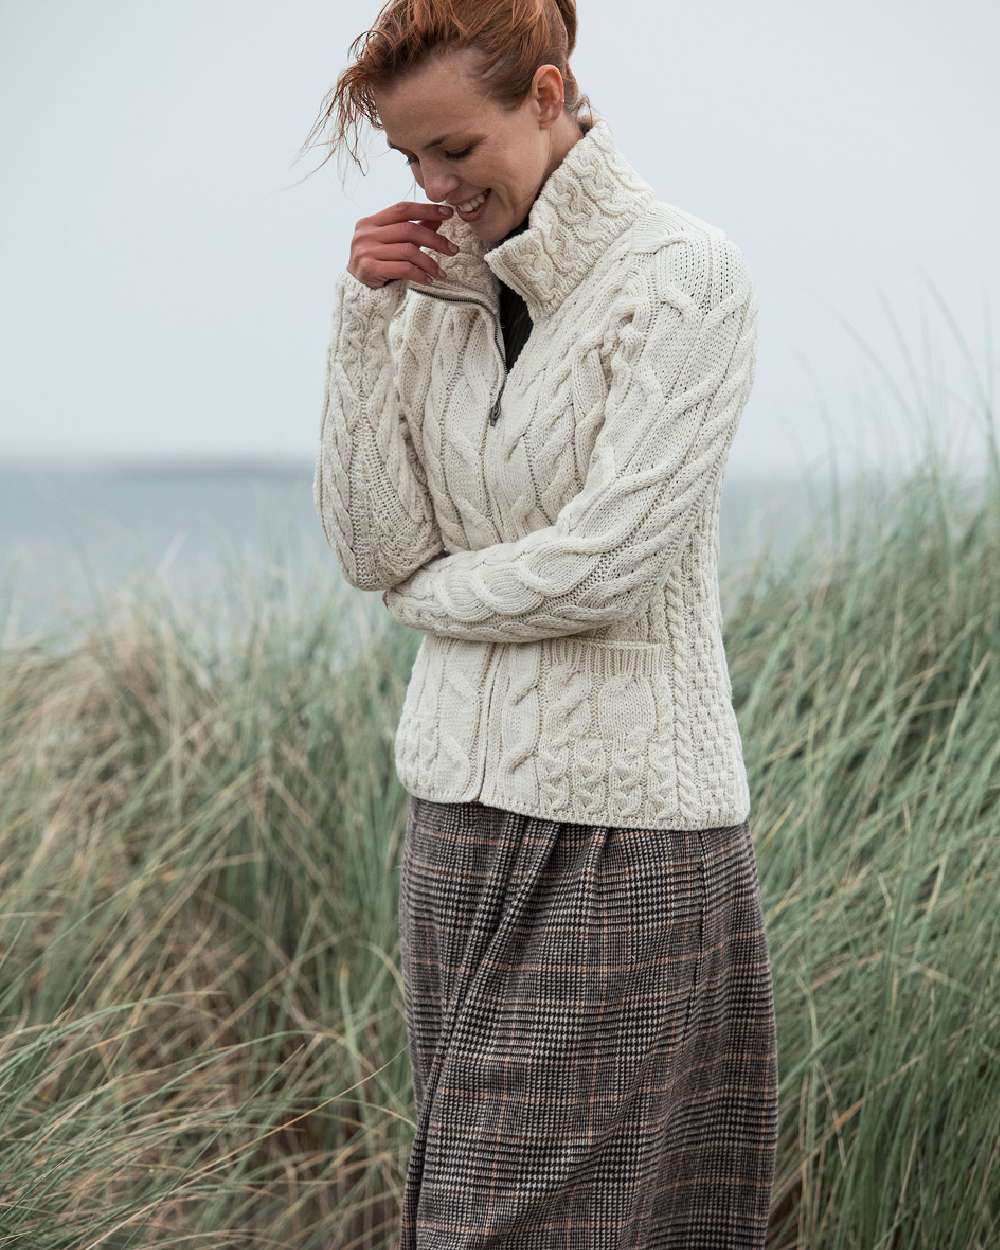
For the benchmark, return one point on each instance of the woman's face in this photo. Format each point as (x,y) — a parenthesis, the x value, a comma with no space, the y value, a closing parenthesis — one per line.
(481,146)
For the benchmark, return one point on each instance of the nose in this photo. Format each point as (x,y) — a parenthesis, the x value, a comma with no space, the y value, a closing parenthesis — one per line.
(439,186)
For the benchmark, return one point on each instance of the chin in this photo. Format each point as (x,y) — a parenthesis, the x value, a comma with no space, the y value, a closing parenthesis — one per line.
(490,233)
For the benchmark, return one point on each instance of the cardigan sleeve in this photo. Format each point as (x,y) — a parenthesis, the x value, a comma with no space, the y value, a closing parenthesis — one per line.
(369,487)
(682,367)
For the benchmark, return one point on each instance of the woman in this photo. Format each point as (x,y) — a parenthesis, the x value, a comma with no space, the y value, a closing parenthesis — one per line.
(528,411)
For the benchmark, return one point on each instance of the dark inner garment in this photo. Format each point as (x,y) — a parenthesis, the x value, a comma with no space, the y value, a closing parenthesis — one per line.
(514,318)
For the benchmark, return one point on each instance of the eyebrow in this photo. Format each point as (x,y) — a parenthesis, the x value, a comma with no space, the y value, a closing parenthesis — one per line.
(433,143)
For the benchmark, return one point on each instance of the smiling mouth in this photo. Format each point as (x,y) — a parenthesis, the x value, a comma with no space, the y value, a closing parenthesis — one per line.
(481,203)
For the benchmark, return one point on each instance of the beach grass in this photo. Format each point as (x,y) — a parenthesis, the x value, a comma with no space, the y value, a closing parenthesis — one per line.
(201,1028)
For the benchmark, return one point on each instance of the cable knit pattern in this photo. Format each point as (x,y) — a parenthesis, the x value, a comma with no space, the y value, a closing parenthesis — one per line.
(561,560)
(370,495)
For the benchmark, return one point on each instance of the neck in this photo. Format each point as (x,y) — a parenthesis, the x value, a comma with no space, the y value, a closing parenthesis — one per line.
(565,133)
(570,131)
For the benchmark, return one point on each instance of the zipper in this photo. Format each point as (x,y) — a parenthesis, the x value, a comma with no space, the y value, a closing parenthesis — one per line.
(493,417)
(494,414)
(485,719)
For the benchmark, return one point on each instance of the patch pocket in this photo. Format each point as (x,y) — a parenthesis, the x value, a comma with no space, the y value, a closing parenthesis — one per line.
(611,702)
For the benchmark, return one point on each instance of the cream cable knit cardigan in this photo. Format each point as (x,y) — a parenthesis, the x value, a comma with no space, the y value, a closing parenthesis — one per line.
(553,533)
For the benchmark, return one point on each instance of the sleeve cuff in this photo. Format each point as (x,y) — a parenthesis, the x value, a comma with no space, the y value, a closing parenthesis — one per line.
(368,298)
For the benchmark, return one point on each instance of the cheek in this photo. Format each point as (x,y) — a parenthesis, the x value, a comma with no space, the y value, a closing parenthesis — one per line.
(482,178)
(488,173)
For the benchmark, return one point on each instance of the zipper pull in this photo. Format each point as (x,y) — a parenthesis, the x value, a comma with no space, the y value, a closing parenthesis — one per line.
(495,409)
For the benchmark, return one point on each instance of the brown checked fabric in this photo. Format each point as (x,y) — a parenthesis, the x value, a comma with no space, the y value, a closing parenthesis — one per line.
(592,1035)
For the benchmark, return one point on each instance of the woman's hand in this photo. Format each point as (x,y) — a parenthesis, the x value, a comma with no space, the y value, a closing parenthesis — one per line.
(386,246)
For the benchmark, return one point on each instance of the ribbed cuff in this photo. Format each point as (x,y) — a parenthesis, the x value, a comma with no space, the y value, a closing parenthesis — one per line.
(372,299)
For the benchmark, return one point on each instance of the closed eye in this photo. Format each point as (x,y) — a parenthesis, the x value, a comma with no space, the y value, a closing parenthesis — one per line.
(452,156)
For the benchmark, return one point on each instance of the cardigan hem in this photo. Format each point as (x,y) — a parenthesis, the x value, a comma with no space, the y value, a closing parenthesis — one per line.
(719,819)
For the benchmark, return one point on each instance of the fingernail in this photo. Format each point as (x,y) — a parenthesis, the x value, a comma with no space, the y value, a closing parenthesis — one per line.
(444,208)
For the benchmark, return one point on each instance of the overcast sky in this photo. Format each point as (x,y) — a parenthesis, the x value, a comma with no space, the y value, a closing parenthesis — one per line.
(168,266)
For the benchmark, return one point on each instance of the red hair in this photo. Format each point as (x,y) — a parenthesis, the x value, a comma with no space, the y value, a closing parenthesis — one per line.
(512,37)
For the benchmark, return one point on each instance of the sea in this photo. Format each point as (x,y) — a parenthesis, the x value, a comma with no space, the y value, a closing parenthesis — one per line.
(78,539)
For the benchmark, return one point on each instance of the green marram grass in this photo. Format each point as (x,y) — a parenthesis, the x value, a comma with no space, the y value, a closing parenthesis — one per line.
(202,1039)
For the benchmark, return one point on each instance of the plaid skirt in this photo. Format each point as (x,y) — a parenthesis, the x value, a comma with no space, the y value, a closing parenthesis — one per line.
(591,1033)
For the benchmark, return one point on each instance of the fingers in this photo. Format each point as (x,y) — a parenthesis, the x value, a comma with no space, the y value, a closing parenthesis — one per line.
(378,271)
(415,233)
(411,210)
(387,245)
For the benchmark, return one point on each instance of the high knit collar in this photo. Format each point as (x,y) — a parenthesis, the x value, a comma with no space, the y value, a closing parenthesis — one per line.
(588,200)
